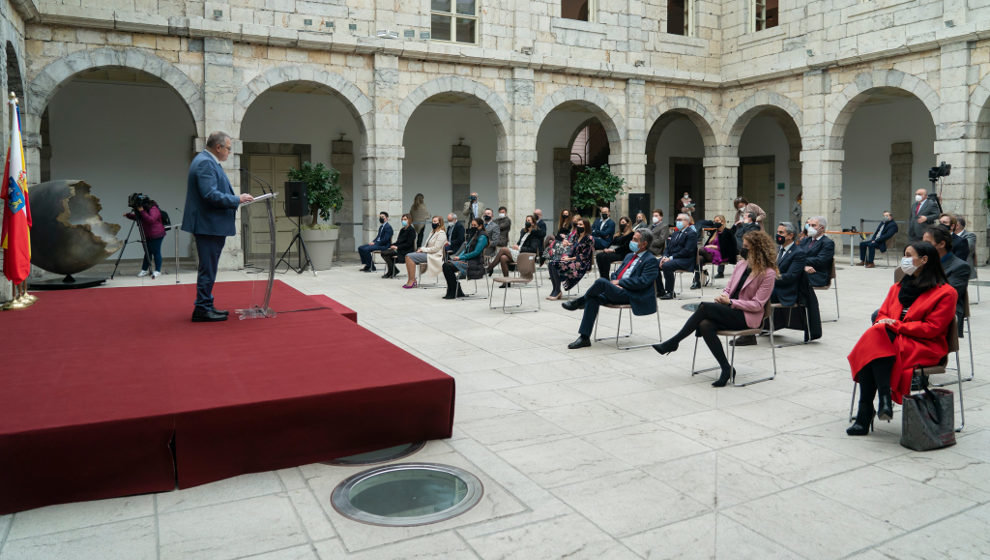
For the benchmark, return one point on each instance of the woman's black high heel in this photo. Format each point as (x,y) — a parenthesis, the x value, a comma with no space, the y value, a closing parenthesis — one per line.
(723,379)
(885,408)
(666,347)
(863,424)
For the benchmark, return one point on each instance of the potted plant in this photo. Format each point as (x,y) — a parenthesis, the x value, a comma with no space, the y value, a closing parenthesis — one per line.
(324,196)
(595,187)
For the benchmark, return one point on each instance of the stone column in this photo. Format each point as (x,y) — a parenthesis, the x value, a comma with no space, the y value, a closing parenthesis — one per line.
(220,85)
(384,153)
(561,179)
(460,175)
(516,157)
(342,159)
(721,182)
(821,167)
(901,191)
(957,143)
(633,165)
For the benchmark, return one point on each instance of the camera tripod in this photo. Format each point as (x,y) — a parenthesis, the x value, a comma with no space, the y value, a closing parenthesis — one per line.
(144,245)
(300,251)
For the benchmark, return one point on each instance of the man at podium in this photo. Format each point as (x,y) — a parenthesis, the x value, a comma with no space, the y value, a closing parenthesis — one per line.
(211,206)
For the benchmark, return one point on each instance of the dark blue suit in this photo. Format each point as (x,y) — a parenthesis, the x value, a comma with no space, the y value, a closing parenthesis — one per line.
(682,249)
(635,288)
(381,242)
(867,249)
(819,255)
(211,206)
(791,266)
(455,238)
(792,288)
(603,232)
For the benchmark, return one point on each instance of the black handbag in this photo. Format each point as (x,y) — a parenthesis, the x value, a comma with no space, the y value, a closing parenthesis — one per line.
(927,420)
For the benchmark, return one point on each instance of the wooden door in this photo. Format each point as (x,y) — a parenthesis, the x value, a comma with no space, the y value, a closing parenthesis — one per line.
(756,183)
(275,170)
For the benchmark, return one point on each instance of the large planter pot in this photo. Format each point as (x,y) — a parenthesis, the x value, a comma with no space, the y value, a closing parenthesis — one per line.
(321,244)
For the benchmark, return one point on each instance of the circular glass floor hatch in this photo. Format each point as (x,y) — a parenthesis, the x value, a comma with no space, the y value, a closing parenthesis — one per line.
(407,494)
(378,455)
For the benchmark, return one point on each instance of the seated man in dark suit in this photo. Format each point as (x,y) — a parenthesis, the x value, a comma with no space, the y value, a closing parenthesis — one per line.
(956,269)
(960,246)
(541,226)
(603,230)
(381,242)
(632,284)
(867,249)
(679,254)
(455,235)
(819,251)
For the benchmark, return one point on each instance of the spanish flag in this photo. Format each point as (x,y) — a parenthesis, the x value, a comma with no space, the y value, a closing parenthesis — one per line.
(16,235)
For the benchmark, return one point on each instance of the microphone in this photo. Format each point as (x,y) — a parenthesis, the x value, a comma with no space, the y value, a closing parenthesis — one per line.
(260,181)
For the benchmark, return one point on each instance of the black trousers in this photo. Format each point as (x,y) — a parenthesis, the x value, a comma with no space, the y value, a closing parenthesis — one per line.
(209,248)
(450,275)
(706,321)
(874,378)
(605,260)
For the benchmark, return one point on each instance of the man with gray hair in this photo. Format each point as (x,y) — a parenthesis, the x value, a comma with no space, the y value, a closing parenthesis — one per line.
(632,284)
(211,206)
(819,251)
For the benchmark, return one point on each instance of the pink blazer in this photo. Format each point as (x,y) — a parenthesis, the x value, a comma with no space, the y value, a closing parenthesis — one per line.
(754,294)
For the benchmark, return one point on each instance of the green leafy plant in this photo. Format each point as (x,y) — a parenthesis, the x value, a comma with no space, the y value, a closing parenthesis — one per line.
(322,189)
(595,186)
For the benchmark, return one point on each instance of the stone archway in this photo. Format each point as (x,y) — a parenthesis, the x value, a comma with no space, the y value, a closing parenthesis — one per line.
(491,102)
(688,115)
(595,103)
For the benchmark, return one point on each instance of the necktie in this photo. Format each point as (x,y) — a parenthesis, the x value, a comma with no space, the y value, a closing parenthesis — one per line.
(780,254)
(918,209)
(625,268)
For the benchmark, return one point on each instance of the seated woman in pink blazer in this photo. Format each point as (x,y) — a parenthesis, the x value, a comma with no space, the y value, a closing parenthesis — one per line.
(739,306)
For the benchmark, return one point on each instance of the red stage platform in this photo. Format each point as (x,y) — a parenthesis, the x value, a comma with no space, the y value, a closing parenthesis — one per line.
(113,391)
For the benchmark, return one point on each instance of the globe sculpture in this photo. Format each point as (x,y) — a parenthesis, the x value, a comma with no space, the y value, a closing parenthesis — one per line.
(68,235)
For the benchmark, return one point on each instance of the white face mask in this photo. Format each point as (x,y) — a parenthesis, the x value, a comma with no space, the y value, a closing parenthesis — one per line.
(656,220)
(811,229)
(917,198)
(501,214)
(907,265)
(450,223)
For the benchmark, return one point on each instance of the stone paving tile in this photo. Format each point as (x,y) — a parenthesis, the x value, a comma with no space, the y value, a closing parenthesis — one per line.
(66,517)
(134,539)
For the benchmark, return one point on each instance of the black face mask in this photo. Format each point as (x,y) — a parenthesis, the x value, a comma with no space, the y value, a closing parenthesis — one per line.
(580,228)
(381,220)
(472,230)
(604,216)
(529,224)
(781,239)
(436,225)
(488,218)
(744,252)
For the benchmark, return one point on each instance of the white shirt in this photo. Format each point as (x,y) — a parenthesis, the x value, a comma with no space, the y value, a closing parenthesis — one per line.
(214,156)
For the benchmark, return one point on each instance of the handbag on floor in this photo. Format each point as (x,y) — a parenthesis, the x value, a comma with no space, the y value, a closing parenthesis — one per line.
(928,420)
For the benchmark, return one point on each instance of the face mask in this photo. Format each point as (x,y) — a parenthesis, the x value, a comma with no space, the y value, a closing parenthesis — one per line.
(680,225)
(811,229)
(488,218)
(580,228)
(501,214)
(605,216)
(529,224)
(744,252)
(381,220)
(781,240)
(436,225)
(907,265)
(451,223)
(634,247)
(656,220)
(474,199)
(917,198)
(405,223)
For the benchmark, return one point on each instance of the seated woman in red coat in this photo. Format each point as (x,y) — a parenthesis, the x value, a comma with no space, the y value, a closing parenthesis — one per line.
(739,306)
(910,330)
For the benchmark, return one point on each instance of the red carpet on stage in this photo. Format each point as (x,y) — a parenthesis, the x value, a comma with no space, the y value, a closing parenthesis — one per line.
(113,391)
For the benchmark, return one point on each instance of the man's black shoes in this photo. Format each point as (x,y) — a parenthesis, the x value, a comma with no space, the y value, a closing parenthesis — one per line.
(581,342)
(747,340)
(223,312)
(574,304)
(667,295)
(208,316)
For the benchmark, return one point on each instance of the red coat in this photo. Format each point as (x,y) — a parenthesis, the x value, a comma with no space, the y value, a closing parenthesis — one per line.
(920,340)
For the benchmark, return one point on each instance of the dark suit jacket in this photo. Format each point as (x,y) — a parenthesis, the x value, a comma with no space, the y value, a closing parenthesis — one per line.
(819,255)
(384,237)
(682,247)
(957,271)
(638,282)
(405,243)
(603,232)
(533,244)
(880,241)
(929,210)
(455,236)
(542,226)
(210,200)
(791,266)
(960,247)
(739,230)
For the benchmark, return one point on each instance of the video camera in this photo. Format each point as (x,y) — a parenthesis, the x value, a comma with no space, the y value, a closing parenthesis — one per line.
(139,200)
(942,170)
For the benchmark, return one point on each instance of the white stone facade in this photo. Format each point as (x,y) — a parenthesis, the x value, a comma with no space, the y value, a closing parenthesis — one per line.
(811,72)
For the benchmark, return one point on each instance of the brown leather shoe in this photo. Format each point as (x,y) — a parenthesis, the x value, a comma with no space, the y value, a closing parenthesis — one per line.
(860,263)
(869,265)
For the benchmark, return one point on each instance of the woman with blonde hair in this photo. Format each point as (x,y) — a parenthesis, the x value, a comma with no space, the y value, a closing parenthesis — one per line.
(430,254)
(739,306)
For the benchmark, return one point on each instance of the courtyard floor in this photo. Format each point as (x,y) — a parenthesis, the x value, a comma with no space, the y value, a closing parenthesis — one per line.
(590,453)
